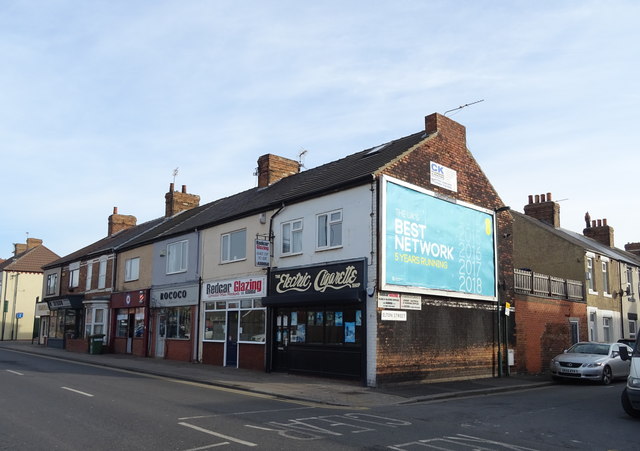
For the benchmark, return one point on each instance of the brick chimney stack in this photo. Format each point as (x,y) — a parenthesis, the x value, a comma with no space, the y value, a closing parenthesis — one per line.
(544,209)
(120,222)
(633,248)
(19,248)
(456,132)
(176,202)
(272,168)
(600,231)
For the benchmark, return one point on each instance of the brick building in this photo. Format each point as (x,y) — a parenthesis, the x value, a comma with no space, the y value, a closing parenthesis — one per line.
(569,287)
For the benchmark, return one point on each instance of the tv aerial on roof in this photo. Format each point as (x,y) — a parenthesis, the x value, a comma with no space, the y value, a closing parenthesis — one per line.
(463,106)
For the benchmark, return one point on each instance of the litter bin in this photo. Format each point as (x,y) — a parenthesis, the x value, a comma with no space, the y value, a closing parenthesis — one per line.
(95,344)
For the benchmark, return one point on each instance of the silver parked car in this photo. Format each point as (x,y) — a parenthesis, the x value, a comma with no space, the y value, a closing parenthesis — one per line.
(591,361)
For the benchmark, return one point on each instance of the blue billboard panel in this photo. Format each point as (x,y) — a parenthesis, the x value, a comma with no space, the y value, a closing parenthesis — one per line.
(433,244)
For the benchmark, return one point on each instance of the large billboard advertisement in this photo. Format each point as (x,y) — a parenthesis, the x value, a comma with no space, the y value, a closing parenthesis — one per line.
(436,246)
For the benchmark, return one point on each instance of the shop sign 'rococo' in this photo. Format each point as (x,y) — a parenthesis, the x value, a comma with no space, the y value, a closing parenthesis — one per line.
(318,279)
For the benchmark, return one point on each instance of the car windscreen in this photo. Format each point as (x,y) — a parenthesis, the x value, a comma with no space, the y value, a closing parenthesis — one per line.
(590,348)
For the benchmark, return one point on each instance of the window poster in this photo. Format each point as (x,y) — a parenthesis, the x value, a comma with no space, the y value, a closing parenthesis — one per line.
(338,319)
(358,317)
(311,318)
(319,318)
(349,332)
(301,335)
(294,318)
(330,318)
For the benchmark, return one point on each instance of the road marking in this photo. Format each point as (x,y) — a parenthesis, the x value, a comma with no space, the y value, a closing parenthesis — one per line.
(249,412)
(208,446)
(78,391)
(15,372)
(217,434)
(237,391)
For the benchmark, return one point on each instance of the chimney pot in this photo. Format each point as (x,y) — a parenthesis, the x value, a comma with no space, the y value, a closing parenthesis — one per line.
(115,210)
(537,198)
(530,199)
(604,222)
(184,188)
(549,197)
(599,222)
(171,185)
(543,198)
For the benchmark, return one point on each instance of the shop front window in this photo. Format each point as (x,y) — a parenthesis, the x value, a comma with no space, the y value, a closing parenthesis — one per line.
(252,326)
(70,329)
(251,320)
(214,323)
(321,326)
(179,323)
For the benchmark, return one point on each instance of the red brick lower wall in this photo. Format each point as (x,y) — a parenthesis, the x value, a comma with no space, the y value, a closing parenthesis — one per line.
(138,346)
(542,330)
(252,357)
(446,339)
(77,345)
(213,353)
(178,350)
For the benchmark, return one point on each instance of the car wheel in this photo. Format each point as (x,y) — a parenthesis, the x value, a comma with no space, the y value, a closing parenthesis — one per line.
(607,377)
(628,408)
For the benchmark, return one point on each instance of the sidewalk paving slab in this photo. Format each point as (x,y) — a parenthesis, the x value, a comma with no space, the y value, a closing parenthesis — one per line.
(299,388)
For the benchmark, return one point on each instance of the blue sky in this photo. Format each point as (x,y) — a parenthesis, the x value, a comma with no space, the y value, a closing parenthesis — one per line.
(101,100)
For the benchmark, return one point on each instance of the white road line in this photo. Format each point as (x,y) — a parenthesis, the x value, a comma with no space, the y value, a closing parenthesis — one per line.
(208,446)
(15,372)
(250,412)
(216,434)
(78,391)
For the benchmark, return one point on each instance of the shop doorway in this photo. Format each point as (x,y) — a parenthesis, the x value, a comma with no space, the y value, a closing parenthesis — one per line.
(282,341)
(231,353)
(161,334)
(131,323)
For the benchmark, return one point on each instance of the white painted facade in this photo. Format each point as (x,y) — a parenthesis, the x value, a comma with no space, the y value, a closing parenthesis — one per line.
(359,240)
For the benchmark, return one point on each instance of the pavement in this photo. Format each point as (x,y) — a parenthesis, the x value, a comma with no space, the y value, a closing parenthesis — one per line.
(299,388)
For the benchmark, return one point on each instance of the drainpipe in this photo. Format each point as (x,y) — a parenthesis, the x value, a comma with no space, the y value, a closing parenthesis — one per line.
(14,320)
(270,320)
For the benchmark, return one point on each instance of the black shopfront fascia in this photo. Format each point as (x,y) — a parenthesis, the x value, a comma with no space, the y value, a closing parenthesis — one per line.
(61,307)
(335,287)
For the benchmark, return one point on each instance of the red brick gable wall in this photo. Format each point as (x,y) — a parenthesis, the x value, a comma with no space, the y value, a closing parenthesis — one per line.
(449,337)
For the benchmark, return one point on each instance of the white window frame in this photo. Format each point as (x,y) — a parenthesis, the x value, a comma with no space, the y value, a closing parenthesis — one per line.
(591,282)
(292,237)
(324,236)
(52,283)
(102,273)
(227,254)
(606,328)
(87,283)
(92,323)
(177,256)
(633,328)
(74,274)
(605,277)
(132,269)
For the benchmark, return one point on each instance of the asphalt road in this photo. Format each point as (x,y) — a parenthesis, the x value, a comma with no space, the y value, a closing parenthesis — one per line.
(50,404)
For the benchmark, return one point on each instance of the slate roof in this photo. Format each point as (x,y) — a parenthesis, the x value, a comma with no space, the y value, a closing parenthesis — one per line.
(108,244)
(31,260)
(350,171)
(588,244)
